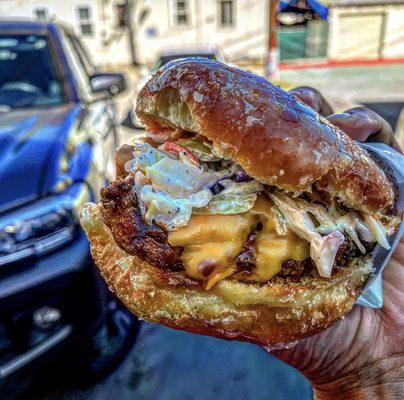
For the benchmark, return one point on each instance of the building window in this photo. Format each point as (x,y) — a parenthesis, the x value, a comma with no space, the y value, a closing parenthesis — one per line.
(121,10)
(85,22)
(226,13)
(181,12)
(41,14)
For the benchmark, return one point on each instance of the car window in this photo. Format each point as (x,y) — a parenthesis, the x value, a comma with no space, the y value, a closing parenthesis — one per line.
(164,59)
(27,72)
(83,55)
(78,68)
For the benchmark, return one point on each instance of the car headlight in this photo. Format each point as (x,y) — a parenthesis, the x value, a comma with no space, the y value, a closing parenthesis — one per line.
(41,228)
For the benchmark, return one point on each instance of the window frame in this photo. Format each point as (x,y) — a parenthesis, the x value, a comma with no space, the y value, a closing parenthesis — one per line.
(185,12)
(121,22)
(220,14)
(45,13)
(85,22)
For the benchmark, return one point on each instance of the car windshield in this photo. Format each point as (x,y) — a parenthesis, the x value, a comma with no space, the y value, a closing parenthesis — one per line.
(27,75)
(164,59)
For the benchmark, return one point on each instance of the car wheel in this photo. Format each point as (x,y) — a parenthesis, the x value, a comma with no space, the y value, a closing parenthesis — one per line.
(111,343)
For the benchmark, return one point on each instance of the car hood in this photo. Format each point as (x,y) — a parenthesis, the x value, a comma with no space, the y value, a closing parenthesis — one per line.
(31,145)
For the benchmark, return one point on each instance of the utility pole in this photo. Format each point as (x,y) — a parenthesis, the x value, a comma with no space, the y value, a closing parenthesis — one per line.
(272,59)
(131,30)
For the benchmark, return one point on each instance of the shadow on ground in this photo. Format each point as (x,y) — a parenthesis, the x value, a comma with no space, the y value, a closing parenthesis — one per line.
(169,365)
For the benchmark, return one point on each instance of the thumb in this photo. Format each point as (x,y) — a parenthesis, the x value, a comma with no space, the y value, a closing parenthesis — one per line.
(363,125)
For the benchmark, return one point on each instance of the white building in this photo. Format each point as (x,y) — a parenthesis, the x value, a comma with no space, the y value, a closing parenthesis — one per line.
(97,22)
(238,26)
(366,29)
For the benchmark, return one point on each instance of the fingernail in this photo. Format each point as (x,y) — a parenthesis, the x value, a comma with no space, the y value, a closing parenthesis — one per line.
(308,98)
(344,116)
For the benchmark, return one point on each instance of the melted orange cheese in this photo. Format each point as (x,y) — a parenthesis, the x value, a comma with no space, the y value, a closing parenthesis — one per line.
(212,243)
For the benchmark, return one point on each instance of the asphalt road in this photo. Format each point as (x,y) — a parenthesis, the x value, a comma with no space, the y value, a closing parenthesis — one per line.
(170,365)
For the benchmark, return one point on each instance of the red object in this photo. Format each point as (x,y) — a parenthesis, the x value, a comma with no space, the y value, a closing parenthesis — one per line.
(176,148)
(272,58)
(339,63)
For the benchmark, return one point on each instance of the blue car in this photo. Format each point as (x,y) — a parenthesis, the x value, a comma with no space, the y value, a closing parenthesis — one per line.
(57,141)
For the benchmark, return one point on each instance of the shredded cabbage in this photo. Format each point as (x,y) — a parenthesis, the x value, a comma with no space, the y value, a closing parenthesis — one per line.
(364,232)
(235,198)
(280,223)
(144,156)
(170,190)
(377,229)
(178,179)
(348,223)
(327,224)
(368,228)
(322,249)
(201,149)
(169,212)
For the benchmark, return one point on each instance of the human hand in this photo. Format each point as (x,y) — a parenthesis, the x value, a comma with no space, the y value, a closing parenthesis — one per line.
(362,355)
(360,123)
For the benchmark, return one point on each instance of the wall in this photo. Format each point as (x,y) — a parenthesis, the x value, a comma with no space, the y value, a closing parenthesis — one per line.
(104,19)
(394,39)
(110,44)
(366,32)
(246,40)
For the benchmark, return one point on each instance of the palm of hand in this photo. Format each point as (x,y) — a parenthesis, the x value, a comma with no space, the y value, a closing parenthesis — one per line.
(359,346)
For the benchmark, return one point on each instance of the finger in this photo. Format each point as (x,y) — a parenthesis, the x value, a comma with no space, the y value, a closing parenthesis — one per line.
(358,124)
(312,98)
(363,124)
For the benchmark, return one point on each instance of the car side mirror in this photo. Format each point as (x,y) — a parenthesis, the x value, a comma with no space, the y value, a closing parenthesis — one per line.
(111,83)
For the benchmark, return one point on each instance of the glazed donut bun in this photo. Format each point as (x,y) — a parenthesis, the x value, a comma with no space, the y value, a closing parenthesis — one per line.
(275,138)
(243,214)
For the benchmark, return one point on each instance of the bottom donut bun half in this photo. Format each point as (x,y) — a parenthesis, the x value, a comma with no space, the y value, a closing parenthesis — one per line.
(275,313)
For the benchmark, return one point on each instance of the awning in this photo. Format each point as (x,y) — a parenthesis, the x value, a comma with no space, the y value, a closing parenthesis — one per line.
(314,5)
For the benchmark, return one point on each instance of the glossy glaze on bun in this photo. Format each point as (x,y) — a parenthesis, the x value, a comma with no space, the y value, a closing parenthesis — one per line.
(274,137)
(278,141)
(275,313)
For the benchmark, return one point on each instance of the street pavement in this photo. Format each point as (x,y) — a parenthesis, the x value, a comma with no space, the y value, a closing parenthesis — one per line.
(165,364)
(346,86)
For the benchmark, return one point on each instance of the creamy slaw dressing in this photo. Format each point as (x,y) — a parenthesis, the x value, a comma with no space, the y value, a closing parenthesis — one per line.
(170,189)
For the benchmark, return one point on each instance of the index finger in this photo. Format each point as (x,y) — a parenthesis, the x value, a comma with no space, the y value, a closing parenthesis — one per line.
(313,98)
(364,125)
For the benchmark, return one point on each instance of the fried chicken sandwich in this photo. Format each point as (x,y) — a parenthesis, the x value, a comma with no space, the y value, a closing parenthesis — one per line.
(242,213)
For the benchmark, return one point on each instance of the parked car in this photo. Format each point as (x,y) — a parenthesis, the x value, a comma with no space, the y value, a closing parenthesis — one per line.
(171,54)
(167,55)
(57,141)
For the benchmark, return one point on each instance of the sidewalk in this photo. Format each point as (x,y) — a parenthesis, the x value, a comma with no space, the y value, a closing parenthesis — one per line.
(346,86)
(379,86)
